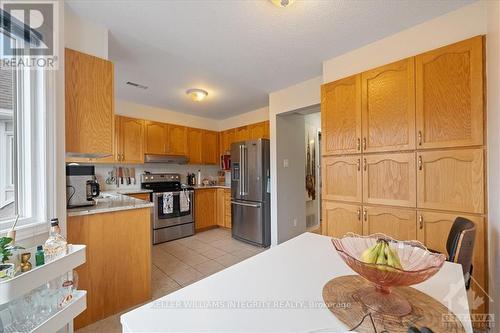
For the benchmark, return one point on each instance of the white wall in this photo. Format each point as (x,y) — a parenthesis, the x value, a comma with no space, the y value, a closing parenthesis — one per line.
(135,110)
(85,37)
(295,97)
(291,206)
(493,107)
(255,116)
(455,26)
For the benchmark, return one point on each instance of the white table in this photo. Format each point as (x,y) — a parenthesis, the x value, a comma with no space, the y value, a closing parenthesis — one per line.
(283,277)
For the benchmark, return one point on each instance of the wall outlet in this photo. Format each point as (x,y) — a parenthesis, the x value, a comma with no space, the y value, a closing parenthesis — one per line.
(294,222)
(285,163)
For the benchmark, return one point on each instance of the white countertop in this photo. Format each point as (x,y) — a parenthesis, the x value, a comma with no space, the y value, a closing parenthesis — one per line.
(110,202)
(294,271)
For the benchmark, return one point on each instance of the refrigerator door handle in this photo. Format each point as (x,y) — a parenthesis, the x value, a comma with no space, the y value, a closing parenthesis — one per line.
(258,205)
(245,185)
(240,185)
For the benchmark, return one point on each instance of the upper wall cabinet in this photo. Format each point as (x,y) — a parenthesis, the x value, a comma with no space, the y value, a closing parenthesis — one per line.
(89,101)
(258,130)
(129,140)
(210,147)
(451,180)
(156,137)
(177,140)
(449,95)
(226,138)
(195,139)
(241,134)
(341,116)
(388,107)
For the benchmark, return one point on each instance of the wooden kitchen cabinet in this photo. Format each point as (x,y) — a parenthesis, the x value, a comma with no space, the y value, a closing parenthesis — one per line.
(341,218)
(241,134)
(227,208)
(117,273)
(205,208)
(140,196)
(195,139)
(433,230)
(156,137)
(210,147)
(388,107)
(226,138)
(400,224)
(389,179)
(449,95)
(342,178)
(258,130)
(89,104)
(177,140)
(130,142)
(451,180)
(224,207)
(341,116)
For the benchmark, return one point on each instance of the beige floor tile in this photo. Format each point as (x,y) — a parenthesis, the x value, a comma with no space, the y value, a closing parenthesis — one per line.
(107,325)
(244,253)
(164,290)
(228,245)
(194,259)
(186,276)
(209,267)
(227,260)
(168,266)
(213,253)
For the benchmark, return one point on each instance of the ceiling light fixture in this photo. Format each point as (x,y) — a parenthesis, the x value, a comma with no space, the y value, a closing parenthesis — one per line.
(283,3)
(197,95)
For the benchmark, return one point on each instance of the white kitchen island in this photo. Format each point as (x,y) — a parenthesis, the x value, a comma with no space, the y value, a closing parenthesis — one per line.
(279,290)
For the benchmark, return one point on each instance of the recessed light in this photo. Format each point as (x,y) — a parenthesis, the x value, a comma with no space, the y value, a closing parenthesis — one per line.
(283,3)
(196,94)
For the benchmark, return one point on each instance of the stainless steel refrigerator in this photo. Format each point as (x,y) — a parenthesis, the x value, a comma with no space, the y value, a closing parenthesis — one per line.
(251,192)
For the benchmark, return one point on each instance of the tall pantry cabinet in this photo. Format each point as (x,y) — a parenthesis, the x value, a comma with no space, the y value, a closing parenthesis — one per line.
(403,149)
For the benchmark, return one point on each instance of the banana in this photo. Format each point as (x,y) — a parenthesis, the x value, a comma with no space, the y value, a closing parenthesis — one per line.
(394,258)
(370,255)
(382,259)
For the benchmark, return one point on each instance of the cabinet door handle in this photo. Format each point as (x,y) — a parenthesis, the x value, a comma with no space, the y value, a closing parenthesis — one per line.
(419,138)
(359,164)
(359,214)
(364,164)
(364,143)
(365,215)
(420,165)
(421,222)
(358,145)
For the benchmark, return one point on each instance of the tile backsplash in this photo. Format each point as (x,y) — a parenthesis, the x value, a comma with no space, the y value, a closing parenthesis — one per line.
(102,170)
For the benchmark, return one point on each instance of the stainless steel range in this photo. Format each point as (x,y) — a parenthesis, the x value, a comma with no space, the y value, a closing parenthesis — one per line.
(173,211)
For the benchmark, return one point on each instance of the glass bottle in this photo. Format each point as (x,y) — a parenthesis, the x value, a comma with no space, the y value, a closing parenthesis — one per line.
(39,256)
(56,246)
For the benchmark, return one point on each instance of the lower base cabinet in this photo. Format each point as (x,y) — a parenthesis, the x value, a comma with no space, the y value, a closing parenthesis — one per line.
(117,273)
(212,208)
(433,231)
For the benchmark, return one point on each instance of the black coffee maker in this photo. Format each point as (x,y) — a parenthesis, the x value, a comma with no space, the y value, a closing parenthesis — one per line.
(191,179)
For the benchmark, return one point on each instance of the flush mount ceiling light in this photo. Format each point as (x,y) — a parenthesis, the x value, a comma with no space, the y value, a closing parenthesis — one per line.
(283,3)
(197,95)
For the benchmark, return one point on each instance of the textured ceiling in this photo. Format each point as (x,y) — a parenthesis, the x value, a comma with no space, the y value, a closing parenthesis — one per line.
(238,50)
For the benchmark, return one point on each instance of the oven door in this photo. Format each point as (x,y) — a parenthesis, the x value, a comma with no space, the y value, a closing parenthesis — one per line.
(172,213)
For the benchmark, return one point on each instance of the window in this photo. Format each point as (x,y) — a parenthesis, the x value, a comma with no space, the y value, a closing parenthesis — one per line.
(23,136)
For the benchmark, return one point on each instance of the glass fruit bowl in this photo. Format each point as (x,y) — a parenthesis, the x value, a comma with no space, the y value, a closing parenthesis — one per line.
(387,263)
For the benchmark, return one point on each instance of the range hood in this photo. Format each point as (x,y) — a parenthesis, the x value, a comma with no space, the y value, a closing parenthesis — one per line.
(171,159)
